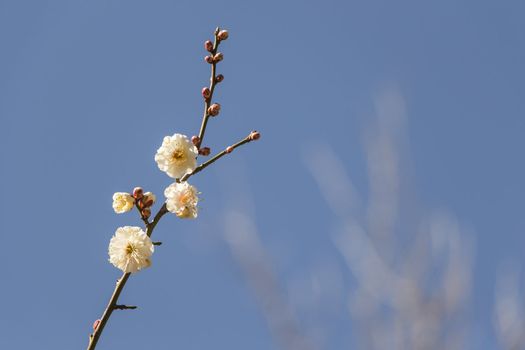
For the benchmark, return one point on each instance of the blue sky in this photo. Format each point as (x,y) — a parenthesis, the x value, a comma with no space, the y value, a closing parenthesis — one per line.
(88,89)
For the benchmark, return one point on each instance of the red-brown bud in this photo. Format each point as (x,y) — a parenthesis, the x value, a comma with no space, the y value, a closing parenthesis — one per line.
(229,149)
(148,199)
(205,151)
(254,135)
(206,92)
(214,109)
(195,140)
(138,192)
(208,59)
(219,78)
(223,35)
(218,57)
(146,213)
(95,324)
(208,45)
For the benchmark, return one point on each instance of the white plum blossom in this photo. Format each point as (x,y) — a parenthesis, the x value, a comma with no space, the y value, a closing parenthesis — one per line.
(122,202)
(176,156)
(181,199)
(130,249)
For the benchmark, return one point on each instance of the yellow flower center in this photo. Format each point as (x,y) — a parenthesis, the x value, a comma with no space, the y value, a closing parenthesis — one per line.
(130,249)
(185,198)
(178,156)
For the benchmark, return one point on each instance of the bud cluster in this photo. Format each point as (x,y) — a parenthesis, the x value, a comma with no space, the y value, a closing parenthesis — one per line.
(144,201)
(213,58)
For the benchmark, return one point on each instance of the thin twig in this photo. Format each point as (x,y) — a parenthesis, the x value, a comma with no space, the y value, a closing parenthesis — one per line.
(213,82)
(212,160)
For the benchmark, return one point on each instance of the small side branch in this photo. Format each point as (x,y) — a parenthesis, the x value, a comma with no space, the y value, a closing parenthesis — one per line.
(124,307)
(254,135)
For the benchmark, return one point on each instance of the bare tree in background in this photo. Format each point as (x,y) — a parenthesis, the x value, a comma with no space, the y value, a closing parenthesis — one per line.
(242,238)
(509,311)
(411,272)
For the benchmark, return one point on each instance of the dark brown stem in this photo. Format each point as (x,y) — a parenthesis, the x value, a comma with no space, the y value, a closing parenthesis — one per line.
(93,338)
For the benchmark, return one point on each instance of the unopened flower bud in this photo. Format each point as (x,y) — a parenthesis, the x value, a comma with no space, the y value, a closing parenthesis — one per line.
(146,213)
(195,140)
(208,45)
(95,324)
(229,149)
(148,199)
(138,192)
(219,78)
(206,92)
(254,135)
(205,151)
(223,35)
(214,109)
(218,57)
(208,59)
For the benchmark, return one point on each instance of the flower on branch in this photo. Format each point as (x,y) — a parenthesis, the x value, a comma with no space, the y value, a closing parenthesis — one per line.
(176,156)
(181,199)
(130,249)
(122,202)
